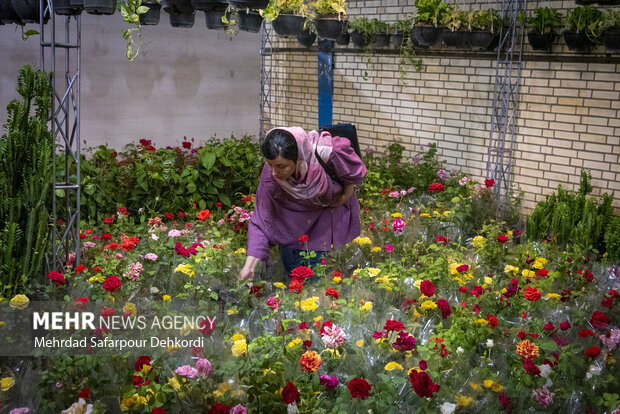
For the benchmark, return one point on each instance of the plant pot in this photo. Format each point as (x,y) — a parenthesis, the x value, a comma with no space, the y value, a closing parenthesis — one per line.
(330,29)
(27,10)
(8,14)
(249,22)
(249,4)
(480,39)
(100,6)
(343,39)
(185,20)
(611,40)
(77,3)
(576,41)
(397,39)
(64,8)
(306,38)
(457,38)
(426,35)
(585,2)
(214,18)
(495,42)
(381,39)
(177,6)
(207,5)
(540,41)
(151,17)
(288,25)
(358,39)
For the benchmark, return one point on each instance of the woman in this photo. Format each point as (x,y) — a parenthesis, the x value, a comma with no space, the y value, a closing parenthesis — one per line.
(296,197)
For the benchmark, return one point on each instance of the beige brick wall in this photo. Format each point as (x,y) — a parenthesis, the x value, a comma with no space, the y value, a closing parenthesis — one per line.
(569,113)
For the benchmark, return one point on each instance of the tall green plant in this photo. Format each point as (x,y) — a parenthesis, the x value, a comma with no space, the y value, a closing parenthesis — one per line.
(25,181)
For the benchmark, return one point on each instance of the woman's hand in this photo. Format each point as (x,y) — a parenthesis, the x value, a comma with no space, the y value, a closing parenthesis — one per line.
(247,273)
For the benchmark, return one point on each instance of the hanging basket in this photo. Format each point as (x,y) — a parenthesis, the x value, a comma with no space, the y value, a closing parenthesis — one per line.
(288,25)
(541,41)
(456,38)
(576,41)
(77,3)
(249,4)
(343,39)
(358,39)
(381,39)
(611,40)
(177,6)
(151,17)
(306,38)
(107,7)
(249,22)
(28,10)
(480,39)
(214,18)
(208,5)
(397,39)
(426,35)
(8,14)
(330,29)
(185,20)
(64,8)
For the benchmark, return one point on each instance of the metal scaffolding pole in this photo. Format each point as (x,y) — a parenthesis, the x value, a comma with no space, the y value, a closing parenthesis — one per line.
(505,100)
(61,55)
(266,52)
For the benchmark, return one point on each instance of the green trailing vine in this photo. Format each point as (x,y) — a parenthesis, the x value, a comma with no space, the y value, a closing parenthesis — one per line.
(130,11)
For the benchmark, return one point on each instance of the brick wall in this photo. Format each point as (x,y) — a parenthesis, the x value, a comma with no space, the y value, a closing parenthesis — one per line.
(569,113)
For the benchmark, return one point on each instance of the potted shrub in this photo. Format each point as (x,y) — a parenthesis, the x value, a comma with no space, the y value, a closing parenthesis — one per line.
(401,29)
(288,17)
(151,16)
(361,31)
(100,6)
(427,16)
(331,18)
(249,20)
(611,30)
(584,27)
(380,33)
(484,25)
(454,20)
(64,8)
(543,24)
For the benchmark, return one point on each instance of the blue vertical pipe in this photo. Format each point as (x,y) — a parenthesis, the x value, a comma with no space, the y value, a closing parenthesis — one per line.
(326,82)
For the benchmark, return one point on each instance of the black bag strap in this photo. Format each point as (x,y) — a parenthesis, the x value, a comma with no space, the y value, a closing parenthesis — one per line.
(329,170)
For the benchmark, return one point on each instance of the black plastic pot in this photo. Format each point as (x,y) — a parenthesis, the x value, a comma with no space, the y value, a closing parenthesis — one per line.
(381,39)
(177,6)
(249,4)
(611,40)
(397,39)
(426,36)
(480,39)
(151,17)
(541,41)
(330,29)
(249,22)
(306,38)
(288,25)
(207,5)
(358,39)
(77,3)
(214,18)
(576,41)
(8,14)
(185,20)
(343,39)
(27,10)
(100,6)
(64,8)
(457,38)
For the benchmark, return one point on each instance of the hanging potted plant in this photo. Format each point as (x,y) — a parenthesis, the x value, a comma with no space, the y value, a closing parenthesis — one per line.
(361,31)
(100,6)
(249,4)
(611,30)
(401,30)
(380,33)
(427,16)
(206,5)
(331,18)
(132,11)
(151,16)
(217,18)
(8,14)
(344,38)
(454,19)
(584,27)
(484,26)
(64,8)
(181,12)
(249,20)
(543,24)
(306,38)
(288,17)
(27,10)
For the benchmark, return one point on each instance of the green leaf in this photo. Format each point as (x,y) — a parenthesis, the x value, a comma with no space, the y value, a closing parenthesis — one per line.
(208,160)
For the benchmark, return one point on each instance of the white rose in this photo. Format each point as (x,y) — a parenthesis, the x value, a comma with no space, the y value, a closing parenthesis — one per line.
(447,408)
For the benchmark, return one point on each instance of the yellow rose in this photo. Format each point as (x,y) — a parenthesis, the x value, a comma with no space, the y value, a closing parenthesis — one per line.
(130,307)
(7,383)
(373,271)
(477,242)
(511,270)
(428,304)
(280,285)
(318,318)
(496,387)
(19,302)
(462,400)
(232,311)
(476,387)
(391,366)
(174,383)
(453,267)
(337,279)
(482,321)
(553,296)
(96,279)
(166,298)
(237,337)
(359,343)
(310,304)
(528,273)
(186,269)
(488,383)
(240,251)
(367,306)
(294,343)
(239,348)
(539,263)
(488,280)
(221,389)
(396,215)
(426,215)
(375,249)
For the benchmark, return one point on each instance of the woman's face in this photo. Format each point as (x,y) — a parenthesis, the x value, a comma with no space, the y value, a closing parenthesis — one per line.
(281,168)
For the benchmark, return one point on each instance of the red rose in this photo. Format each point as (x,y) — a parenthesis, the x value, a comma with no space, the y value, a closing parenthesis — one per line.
(599,320)
(84,392)
(256,291)
(489,183)
(158,410)
(80,268)
(303,239)
(549,326)
(112,246)
(436,187)
(141,361)
(359,388)
(56,278)
(607,302)
(423,365)
(325,324)
(187,145)
(444,307)
(108,220)
(614,294)
(301,273)
(542,272)
(442,239)
(218,204)
(593,352)
(587,275)
(302,326)
(290,393)
(169,216)
(462,289)
(423,384)
(532,294)
(492,321)
(207,326)
(218,408)
(565,325)
(296,286)
(476,309)
(530,367)
(332,292)
(203,215)
(462,268)
(112,283)
(427,288)
(106,236)
(391,325)
(502,238)
(83,300)
(585,332)
(476,291)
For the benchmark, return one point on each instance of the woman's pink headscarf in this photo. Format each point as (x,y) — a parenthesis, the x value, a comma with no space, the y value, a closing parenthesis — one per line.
(310,181)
